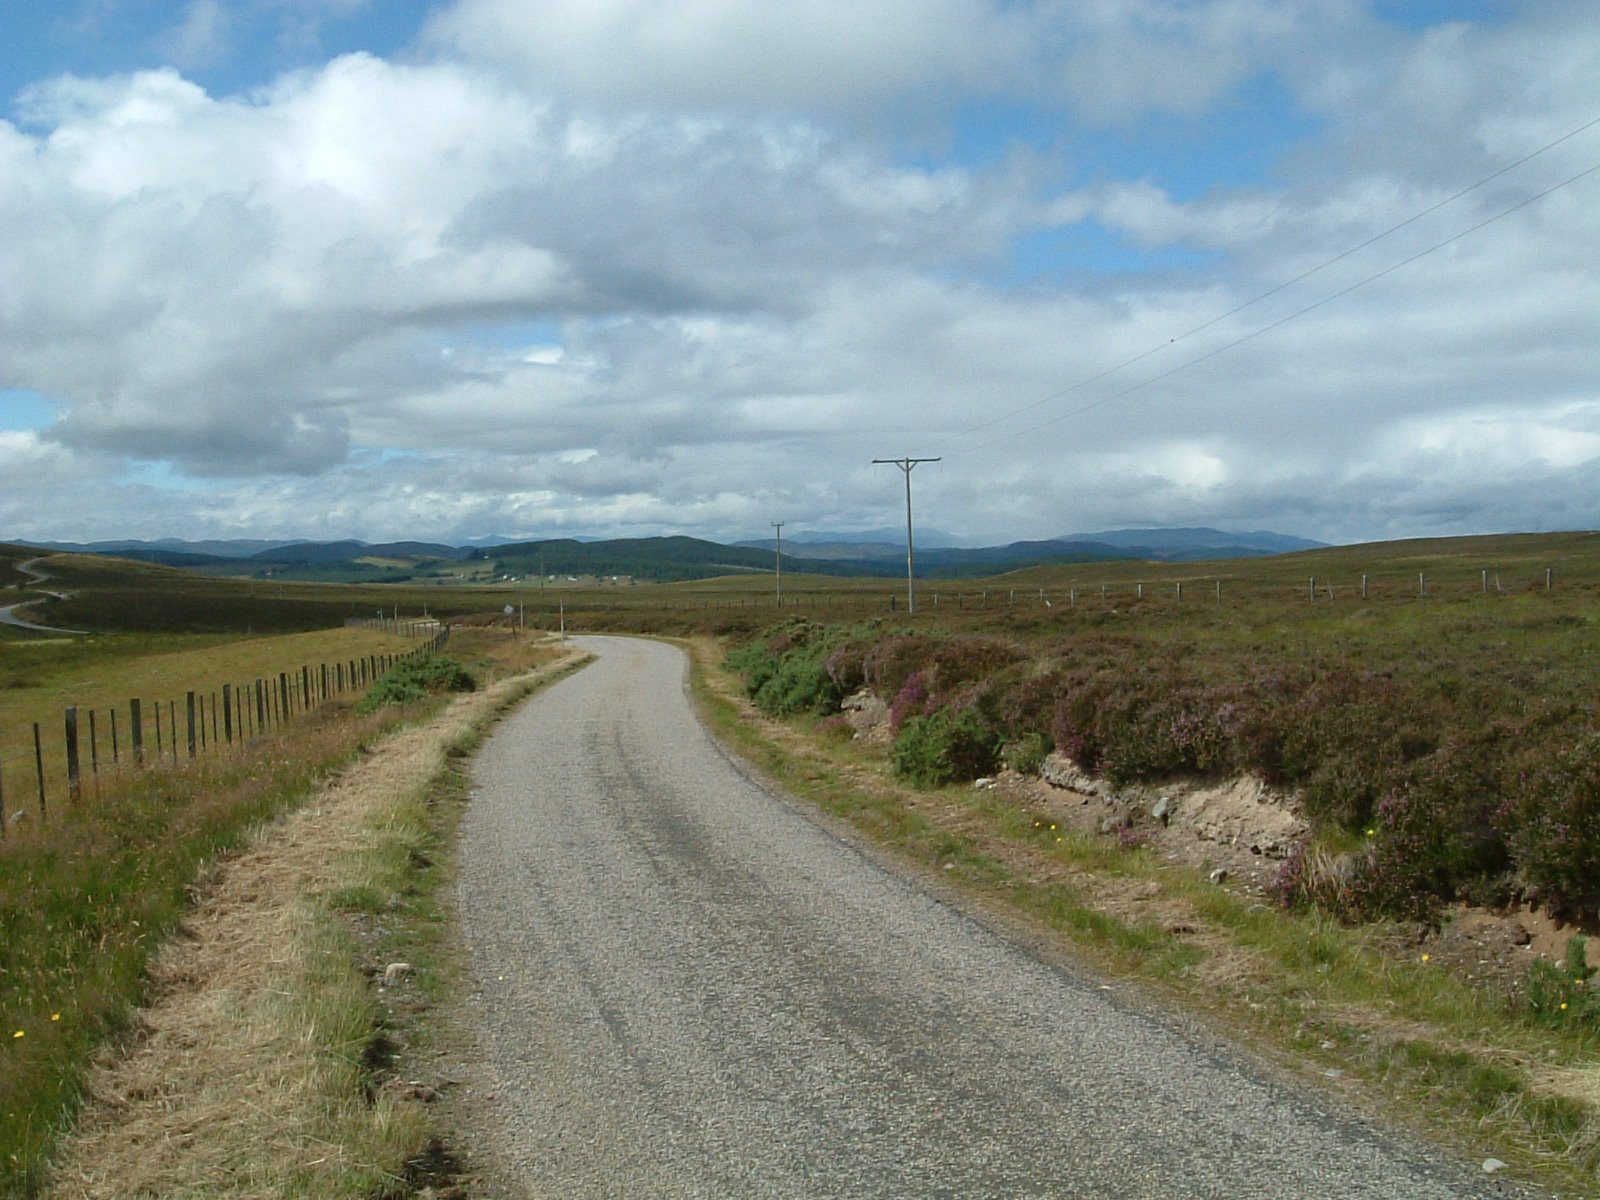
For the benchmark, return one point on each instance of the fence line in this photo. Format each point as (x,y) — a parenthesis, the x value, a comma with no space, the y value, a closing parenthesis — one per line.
(248,711)
(1207,589)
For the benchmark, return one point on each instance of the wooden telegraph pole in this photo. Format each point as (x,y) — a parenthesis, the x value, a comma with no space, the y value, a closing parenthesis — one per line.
(906,465)
(777,561)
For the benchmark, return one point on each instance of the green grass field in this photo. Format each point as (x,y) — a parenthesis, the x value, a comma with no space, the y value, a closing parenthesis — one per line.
(40,679)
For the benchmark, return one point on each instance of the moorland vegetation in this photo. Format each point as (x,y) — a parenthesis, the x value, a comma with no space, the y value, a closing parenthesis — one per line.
(1443,752)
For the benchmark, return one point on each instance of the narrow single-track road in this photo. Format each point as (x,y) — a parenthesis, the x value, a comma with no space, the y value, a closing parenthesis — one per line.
(8,613)
(687,988)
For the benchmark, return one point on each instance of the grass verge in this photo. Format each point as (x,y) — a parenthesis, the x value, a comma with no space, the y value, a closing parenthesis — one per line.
(254,1066)
(83,903)
(1347,1004)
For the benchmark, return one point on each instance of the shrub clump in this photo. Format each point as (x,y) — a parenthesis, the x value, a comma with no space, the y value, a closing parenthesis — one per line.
(945,746)
(1027,753)
(786,670)
(416,678)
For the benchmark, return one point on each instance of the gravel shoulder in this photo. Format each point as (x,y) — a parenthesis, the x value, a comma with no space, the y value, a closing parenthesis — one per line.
(684,986)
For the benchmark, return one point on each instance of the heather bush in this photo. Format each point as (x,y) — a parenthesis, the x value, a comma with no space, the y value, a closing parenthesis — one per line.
(1446,858)
(912,700)
(887,665)
(955,663)
(846,664)
(1073,724)
(1341,742)
(1551,822)
(1025,703)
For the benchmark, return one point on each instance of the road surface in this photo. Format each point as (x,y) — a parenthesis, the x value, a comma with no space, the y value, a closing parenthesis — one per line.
(687,988)
(8,613)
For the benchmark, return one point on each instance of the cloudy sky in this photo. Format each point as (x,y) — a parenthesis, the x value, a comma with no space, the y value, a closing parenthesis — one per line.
(391,268)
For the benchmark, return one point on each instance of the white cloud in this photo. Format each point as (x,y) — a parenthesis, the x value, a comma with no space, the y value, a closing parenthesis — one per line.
(739,54)
(1115,59)
(202,36)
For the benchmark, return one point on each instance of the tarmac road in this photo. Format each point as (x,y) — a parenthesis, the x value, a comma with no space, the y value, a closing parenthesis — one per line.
(688,988)
(8,613)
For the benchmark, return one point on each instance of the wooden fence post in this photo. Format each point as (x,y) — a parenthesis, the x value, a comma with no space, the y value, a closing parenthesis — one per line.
(136,722)
(74,776)
(190,702)
(38,766)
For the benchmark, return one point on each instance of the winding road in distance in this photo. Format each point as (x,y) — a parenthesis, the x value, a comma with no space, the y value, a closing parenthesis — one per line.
(687,988)
(8,613)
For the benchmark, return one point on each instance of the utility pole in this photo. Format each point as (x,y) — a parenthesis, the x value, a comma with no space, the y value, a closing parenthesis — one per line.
(777,561)
(906,465)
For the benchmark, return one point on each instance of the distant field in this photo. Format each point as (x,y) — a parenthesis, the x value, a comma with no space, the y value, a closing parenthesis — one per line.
(115,595)
(40,679)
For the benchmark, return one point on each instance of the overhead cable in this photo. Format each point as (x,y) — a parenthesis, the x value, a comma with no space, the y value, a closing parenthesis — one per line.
(1272,291)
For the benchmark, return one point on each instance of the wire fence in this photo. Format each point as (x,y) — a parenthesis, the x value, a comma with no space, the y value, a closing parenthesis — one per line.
(943,595)
(73,754)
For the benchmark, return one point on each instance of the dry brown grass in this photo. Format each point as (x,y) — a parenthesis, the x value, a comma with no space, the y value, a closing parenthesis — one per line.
(246,1077)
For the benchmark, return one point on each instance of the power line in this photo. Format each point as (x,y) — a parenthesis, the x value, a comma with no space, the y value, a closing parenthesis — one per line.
(1272,291)
(1255,333)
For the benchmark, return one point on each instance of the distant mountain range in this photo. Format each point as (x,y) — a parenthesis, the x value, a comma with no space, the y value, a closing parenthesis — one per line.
(1168,545)
(1180,543)
(870,553)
